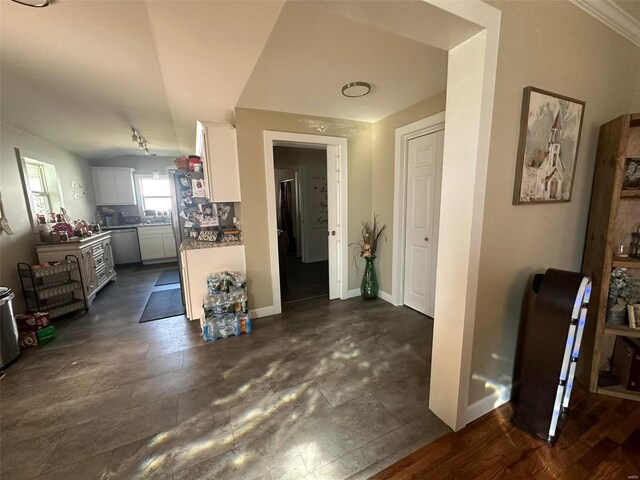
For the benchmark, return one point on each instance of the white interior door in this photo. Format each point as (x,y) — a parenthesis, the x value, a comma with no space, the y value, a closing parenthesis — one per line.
(424,181)
(334,227)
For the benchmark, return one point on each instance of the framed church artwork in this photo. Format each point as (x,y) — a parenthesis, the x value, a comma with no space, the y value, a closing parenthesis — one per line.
(550,127)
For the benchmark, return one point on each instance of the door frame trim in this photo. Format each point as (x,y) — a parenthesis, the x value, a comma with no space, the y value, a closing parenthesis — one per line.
(303,139)
(427,125)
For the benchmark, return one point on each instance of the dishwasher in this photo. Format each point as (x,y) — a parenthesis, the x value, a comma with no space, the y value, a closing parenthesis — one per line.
(125,246)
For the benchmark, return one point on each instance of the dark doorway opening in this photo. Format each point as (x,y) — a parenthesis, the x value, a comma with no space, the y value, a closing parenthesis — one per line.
(302,209)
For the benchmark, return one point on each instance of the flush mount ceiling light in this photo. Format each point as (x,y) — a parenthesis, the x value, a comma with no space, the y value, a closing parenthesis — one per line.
(140,140)
(356,89)
(33,3)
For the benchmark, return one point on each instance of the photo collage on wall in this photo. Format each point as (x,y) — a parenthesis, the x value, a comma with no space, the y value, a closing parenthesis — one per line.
(203,219)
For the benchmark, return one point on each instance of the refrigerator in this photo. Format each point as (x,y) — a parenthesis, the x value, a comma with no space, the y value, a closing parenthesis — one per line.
(192,211)
(177,223)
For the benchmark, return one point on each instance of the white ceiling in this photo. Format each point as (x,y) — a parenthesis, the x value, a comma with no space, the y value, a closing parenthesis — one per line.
(80,73)
(313,51)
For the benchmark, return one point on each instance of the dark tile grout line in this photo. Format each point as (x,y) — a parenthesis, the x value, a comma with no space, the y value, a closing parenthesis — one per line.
(133,390)
(359,314)
(44,464)
(259,437)
(105,451)
(306,467)
(400,425)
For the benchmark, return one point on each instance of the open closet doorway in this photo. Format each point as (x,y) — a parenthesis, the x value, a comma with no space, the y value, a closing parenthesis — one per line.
(302,219)
(335,233)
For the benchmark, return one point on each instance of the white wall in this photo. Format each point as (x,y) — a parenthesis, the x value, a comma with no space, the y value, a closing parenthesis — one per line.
(250,125)
(20,247)
(384,138)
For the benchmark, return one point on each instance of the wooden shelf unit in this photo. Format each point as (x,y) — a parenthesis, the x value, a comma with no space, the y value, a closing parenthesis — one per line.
(619,392)
(613,215)
(630,193)
(621,330)
(626,262)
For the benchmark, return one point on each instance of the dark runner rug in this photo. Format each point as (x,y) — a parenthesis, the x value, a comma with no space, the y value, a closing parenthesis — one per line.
(168,277)
(163,304)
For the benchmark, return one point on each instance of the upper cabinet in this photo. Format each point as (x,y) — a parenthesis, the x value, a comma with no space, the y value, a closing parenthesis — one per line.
(114,186)
(216,146)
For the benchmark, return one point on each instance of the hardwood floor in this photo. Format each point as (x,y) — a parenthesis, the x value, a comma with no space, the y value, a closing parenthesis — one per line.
(601,440)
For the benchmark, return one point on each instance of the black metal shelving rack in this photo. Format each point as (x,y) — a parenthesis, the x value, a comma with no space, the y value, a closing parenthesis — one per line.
(57,290)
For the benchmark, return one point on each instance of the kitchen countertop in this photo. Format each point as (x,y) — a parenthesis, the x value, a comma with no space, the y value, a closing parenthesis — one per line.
(191,244)
(136,225)
(74,242)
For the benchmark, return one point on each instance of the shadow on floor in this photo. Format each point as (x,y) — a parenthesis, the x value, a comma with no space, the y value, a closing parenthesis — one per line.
(324,390)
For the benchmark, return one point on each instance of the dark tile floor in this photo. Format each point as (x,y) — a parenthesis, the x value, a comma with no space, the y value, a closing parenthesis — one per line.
(303,280)
(326,390)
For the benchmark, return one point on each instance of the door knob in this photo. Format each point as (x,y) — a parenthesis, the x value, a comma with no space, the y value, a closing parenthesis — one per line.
(426,239)
(333,233)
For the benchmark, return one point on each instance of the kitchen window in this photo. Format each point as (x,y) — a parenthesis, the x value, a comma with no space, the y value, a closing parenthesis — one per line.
(44,190)
(154,192)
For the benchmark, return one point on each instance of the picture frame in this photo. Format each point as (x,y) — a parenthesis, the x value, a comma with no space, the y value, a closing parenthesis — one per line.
(207,215)
(550,131)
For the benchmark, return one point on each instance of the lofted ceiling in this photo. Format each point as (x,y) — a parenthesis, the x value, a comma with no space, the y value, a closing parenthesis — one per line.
(313,51)
(79,74)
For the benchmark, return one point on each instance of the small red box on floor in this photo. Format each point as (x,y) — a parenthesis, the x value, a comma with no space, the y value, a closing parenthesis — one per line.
(32,322)
(27,340)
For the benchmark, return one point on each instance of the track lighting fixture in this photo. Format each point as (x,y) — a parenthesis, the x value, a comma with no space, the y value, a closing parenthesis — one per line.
(140,140)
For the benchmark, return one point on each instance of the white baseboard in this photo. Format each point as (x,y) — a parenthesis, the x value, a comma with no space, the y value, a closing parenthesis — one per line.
(266,311)
(263,312)
(160,260)
(382,295)
(386,297)
(485,405)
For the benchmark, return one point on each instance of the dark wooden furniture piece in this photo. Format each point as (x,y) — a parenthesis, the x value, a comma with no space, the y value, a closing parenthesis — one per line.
(551,349)
(614,214)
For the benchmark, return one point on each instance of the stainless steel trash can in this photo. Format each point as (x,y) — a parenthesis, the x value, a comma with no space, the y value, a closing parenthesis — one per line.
(9,347)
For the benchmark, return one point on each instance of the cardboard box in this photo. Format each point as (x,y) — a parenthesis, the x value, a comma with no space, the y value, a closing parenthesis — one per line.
(27,340)
(32,322)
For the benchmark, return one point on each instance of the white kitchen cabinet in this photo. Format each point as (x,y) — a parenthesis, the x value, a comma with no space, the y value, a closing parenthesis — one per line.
(217,147)
(169,244)
(157,243)
(151,247)
(114,186)
(95,257)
